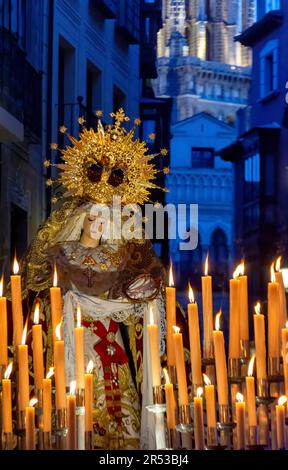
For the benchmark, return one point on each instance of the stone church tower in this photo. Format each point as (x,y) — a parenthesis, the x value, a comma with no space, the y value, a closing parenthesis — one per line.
(198,58)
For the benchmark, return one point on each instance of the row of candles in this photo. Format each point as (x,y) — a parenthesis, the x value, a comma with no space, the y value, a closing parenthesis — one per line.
(213,349)
(214,353)
(81,390)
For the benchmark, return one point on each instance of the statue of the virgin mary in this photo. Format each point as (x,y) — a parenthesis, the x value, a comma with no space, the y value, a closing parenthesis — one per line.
(115,279)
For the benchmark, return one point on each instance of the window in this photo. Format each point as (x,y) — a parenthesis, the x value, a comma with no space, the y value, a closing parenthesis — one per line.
(251,191)
(202,157)
(269,68)
(93,93)
(268,73)
(252,178)
(147,29)
(119,99)
(272,5)
(13,17)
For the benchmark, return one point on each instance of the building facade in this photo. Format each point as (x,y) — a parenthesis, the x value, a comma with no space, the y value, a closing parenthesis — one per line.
(59,60)
(202,178)
(22,201)
(199,63)
(260,152)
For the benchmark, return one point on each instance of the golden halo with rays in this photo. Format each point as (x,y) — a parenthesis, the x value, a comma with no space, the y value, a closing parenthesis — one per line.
(108,162)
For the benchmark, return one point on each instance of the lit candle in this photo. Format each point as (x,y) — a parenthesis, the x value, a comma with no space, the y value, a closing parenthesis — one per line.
(56,303)
(210,402)
(243,308)
(88,379)
(280,422)
(37,350)
(240,421)
(180,367)
(23,392)
(207,302)
(16,297)
(154,351)
(3,327)
(198,420)
(273,316)
(71,417)
(220,363)
(282,294)
(194,337)
(284,335)
(250,392)
(30,424)
(170,402)
(7,400)
(260,343)
(47,400)
(79,351)
(170,318)
(59,363)
(234,315)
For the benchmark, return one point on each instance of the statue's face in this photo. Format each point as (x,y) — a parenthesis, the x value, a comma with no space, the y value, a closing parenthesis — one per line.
(93,226)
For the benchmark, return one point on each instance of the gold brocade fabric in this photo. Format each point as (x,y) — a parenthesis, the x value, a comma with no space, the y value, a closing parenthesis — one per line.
(107,433)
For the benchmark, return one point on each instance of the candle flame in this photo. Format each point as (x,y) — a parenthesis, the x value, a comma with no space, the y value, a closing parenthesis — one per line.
(55,276)
(239,397)
(176,329)
(239,271)
(24,334)
(90,367)
(286,324)
(33,402)
(151,316)
(199,392)
(251,366)
(272,272)
(78,316)
(8,371)
(58,331)
(171,278)
(73,387)
(257,308)
(217,320)
(15,265)
(36,313)
(278,264)
(1,285)
(166,375)
(50,373)
(206,265)
(191,294)
(282,400)
(207,381)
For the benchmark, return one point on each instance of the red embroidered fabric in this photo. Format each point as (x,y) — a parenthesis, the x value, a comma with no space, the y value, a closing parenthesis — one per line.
(112,355)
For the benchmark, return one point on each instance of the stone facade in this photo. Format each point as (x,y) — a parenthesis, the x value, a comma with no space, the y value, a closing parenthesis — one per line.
(199,63)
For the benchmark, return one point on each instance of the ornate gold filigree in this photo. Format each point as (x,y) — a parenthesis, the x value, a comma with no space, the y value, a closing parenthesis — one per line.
(89,163)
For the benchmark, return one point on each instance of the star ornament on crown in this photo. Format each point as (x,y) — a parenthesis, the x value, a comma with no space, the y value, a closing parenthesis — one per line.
(107,162)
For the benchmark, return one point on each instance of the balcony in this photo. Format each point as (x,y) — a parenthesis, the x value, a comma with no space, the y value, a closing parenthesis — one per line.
(128,20)
(20,93)
(68,114)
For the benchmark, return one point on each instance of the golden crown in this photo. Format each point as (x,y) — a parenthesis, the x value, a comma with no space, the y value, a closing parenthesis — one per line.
(107,162)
